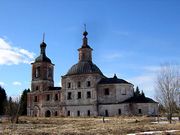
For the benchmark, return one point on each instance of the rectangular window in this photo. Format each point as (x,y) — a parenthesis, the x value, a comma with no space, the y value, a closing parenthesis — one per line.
(37,72)
(78,113)
(139,111)
(79,84)
(69,85)
(47,97)
(88,83)
(88,113)
(123,91)
(68,113)
(106,113)
(35,99)
(79,95)
(69,96)
(106,91)
(88,94)
(119,111)
(56,97)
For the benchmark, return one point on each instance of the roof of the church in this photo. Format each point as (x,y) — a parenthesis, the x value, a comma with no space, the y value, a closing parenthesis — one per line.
(112,80)
(42,57)
(84,67)
(139,99)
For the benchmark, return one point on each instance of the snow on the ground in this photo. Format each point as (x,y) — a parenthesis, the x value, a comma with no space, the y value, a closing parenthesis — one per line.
(153,132)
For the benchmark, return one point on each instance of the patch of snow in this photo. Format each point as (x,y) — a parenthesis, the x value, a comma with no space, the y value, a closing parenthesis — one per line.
(160,122)
(153,132)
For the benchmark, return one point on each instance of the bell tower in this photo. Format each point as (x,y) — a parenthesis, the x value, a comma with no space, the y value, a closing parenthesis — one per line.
(42,71)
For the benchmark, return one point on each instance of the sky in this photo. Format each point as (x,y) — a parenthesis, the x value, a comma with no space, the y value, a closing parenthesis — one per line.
(131,38)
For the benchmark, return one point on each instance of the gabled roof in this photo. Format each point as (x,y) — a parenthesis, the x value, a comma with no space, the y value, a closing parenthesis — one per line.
(113,80)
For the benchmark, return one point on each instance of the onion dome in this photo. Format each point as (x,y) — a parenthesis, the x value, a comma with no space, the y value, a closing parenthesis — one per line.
(42,57)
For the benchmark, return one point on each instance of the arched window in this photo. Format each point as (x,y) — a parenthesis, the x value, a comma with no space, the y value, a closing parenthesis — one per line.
(37,72)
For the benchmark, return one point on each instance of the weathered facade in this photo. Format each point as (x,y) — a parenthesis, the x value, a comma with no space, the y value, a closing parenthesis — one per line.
(85,90)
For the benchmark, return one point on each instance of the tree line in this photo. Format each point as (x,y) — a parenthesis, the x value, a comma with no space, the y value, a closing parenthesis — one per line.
(13,108)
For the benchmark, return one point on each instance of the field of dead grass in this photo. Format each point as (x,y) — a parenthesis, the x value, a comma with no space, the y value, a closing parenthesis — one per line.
(84,126)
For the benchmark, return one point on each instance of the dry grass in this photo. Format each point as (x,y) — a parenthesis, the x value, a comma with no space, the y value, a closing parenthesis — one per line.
(84,126)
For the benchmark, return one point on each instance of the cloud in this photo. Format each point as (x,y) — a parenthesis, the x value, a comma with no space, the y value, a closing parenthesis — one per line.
(145,82)
(10,55)
(16,83)
(112,56)
(2,83)
(152,68)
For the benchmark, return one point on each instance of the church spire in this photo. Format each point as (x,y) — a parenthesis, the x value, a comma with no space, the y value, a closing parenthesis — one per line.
(85,40)
(43,46)
(43,37)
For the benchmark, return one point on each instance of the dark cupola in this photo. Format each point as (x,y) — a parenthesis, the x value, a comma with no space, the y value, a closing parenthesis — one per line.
(42,57)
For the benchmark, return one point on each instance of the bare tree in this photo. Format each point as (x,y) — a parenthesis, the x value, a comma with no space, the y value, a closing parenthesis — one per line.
(167,87)
(12,110)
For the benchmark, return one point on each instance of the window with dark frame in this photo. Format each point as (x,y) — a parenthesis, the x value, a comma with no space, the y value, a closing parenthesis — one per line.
(79,95)
(35,98)
(88,83)
(69,96)
(79,84)
(88,94)
(37,88)
(37,72)
(139,111)
(88,113)
(106,91)
(119,111)
(106,113)
(69,85)
(47,97)
(78,113)
(68,113)
(56,97)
